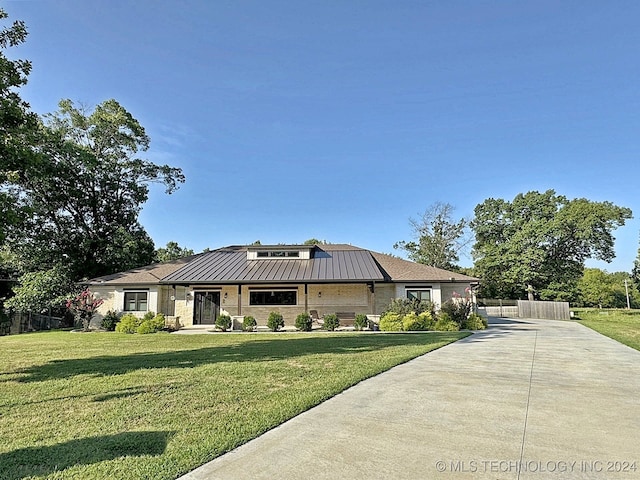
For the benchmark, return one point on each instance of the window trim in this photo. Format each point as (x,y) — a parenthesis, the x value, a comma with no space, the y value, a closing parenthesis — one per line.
(137,300)
(419,289)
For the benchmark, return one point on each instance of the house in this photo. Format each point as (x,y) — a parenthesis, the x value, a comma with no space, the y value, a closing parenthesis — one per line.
(291,279)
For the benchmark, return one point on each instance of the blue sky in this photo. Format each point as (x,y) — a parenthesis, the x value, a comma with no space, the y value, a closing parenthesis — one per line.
(339,120)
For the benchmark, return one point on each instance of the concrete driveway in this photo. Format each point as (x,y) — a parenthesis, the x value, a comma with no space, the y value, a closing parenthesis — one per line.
(525,399)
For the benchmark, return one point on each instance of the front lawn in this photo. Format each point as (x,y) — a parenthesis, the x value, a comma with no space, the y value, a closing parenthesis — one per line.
(621,325)
(117,406)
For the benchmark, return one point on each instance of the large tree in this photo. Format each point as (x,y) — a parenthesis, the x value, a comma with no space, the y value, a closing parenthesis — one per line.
(84,189)
(172,251)
(438,237)
(538,243)
(599,288)
(17,122)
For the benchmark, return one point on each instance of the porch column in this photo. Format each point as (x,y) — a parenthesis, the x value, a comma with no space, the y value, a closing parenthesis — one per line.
(372,297)
(239,299)
(306,299)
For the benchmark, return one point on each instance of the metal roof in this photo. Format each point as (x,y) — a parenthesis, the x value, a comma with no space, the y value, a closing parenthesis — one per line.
(230,265)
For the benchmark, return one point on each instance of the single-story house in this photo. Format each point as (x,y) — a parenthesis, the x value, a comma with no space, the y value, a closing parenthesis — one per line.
(291,279)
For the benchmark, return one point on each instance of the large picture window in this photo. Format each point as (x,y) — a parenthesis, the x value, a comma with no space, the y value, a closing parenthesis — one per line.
(135,301)
(421,294)
(273,297)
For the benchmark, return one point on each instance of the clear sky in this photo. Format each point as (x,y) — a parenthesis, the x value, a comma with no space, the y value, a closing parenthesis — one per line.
(340,119)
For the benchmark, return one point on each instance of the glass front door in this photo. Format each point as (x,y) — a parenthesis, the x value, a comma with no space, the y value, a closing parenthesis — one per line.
(206,308)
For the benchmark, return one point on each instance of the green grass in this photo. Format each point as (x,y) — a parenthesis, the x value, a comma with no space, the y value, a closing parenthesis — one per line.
(621,325)
(117,406)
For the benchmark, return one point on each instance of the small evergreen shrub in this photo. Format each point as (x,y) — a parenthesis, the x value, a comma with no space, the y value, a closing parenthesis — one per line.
(446,324)
(158,322)
(403,306)
(109,321)
(146,327)
(249,324)
(360,322)
(391,322)
(331,322)
(475,322)
(148,316)
(275,321)
(428,319)
(129,323)
(223,322)
(412,322)
(303,322)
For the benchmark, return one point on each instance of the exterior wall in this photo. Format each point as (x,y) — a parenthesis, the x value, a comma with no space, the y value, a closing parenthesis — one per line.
(114,299)
(436,291)
(449,288)
(333,298)
(385,292)
(261,313)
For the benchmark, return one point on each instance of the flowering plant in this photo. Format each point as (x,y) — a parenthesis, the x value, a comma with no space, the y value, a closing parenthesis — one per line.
(84,306)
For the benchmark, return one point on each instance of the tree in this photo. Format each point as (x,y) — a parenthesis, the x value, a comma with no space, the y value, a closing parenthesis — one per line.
(84,189)
(635,272)
(598,288)
(439,238)
(540,241)
(315,241)
(17,122)
(84,306)
(42,290)
(172,251)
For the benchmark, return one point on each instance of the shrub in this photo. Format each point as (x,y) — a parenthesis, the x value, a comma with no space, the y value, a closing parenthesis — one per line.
(303,322)
(275,321)
(361,321)
(146,327)
(475,322)
(129,323)
(223,322)
(391,322)
(412,322)
(458,310)
(429,320)
(249,324)
(158,322)
(446,324)
(403,306)
(109,321)
(148,316)
(331,322)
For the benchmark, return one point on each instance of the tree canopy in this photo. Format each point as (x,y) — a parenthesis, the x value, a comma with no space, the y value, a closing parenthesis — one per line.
(16,120)
(84,189)
(438,237)
(72,184)
(172,251)
(540,241)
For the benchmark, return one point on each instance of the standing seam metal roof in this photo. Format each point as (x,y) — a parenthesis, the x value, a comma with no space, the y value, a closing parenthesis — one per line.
(232,266)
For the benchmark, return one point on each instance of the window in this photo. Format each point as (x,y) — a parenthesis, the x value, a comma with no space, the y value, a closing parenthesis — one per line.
(135,301)
(278,254)
(273,297)
(423,295)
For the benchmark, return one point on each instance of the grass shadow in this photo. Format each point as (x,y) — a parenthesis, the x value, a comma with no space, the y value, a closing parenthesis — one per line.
(42,461)
(256,350)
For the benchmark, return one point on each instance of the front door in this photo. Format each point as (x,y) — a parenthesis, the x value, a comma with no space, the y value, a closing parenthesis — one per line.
(206,308)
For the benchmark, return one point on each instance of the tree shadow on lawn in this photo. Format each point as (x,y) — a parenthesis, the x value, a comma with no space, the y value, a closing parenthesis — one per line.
(272,348)
(40,461)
